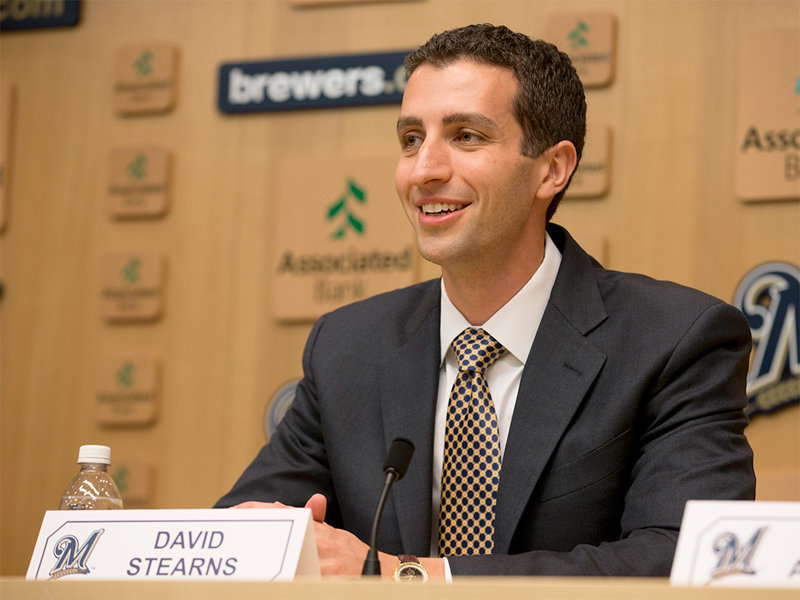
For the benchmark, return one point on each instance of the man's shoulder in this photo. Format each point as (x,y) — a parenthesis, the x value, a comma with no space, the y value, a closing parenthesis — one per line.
(400,306)
(638,297)
(665,309)
(635,286)
(367,329)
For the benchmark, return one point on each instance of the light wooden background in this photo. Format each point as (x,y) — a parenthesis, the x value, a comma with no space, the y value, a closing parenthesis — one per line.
(671,212)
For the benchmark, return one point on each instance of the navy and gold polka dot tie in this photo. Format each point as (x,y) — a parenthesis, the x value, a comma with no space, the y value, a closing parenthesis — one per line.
(471,470)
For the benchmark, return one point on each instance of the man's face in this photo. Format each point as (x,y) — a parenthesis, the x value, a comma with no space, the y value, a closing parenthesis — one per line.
(465,186)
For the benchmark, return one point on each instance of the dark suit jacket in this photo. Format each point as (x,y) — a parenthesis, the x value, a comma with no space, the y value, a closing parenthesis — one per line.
(630,404)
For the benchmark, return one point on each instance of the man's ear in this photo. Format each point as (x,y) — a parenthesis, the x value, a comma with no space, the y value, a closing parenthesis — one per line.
(562,159)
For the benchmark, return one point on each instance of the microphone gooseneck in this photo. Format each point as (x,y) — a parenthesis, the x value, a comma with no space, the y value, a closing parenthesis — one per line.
(395,466)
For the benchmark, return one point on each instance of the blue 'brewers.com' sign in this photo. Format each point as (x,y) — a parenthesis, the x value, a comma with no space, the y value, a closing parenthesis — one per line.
(351,80)
(38,14)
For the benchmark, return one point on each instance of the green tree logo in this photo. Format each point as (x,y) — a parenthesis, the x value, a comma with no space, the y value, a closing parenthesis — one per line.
(136,168)
(142,64)
(577,37)
(125,374)
(797,91)
(130,272)
(341,210)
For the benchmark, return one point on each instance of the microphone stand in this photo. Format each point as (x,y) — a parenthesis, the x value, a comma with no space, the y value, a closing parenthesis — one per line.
(395,466)
(372,565)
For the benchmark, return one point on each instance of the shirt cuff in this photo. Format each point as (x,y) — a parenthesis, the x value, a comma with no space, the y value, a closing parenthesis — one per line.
(448,576)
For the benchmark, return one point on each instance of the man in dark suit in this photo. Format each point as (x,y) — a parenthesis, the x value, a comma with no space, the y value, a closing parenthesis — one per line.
(614,400)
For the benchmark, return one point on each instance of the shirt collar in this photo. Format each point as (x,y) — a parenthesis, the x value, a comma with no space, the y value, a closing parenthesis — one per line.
(516,323)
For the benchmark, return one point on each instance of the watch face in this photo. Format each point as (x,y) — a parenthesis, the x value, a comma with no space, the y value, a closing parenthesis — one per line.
(410,572)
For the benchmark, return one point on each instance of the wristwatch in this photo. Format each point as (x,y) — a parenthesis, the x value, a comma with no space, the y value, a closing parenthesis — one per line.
(409,570)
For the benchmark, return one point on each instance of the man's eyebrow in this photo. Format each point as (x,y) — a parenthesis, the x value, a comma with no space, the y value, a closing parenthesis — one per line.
(406,122)
(469,119)
(476,119)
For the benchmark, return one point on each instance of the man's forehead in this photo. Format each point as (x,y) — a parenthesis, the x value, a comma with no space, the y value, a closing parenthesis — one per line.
(459,81)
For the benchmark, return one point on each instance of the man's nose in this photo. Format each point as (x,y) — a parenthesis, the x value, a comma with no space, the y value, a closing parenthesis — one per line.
(432,163)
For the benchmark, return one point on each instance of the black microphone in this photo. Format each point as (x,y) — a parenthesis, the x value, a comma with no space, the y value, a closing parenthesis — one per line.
(395,466)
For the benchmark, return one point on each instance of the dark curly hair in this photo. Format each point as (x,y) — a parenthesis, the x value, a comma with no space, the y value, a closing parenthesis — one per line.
(550,105)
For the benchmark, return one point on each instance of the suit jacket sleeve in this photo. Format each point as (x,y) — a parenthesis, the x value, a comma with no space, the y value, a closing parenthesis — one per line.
(687,442)
(294,465)
(348,408)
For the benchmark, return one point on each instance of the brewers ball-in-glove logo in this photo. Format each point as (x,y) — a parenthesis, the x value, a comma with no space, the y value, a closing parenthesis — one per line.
(72,557)
(769,297)
(735,558)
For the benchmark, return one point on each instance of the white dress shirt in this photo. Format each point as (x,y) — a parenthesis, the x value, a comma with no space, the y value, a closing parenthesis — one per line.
(514,326)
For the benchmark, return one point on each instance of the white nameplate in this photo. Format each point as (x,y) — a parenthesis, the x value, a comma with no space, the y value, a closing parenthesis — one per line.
(223,544)
(738,544)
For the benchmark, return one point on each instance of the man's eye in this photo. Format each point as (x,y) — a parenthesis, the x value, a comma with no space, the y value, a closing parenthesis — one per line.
(410,140)
(467,136)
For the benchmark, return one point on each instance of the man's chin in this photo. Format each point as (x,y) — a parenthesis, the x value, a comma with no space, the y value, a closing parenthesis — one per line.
(436,253)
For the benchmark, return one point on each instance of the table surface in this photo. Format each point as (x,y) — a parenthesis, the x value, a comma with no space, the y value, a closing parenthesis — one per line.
(464,588)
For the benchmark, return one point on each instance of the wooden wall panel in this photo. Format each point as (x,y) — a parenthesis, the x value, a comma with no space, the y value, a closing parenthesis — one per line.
(670,212)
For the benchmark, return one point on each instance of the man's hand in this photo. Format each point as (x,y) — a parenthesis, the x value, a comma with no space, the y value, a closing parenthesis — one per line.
(317,503)
(341,553)
(319,506)
(254,504)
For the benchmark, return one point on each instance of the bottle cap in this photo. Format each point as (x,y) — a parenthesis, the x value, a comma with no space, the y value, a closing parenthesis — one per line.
(94,454)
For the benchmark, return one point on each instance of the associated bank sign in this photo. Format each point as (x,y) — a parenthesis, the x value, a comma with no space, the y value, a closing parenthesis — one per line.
(333,81)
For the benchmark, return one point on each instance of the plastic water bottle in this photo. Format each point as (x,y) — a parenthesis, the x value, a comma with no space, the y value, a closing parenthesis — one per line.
(93,487)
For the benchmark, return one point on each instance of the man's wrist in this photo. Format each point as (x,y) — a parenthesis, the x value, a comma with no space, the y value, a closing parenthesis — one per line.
(388,565)
(389,562)
(434,567)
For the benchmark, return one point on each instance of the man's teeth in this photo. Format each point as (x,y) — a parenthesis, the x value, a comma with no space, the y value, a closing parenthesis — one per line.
(438,207)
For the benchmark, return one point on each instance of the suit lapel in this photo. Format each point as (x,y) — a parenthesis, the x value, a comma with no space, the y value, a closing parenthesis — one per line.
(409,381)
(559,371)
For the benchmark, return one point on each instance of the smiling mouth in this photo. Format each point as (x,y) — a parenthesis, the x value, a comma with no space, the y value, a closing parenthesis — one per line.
(439,208)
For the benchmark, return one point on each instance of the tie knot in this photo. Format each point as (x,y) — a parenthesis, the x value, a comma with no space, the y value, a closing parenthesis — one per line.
(476,350)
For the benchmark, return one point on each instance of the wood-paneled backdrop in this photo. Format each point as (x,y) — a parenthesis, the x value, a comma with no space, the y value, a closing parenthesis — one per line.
(671,212)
